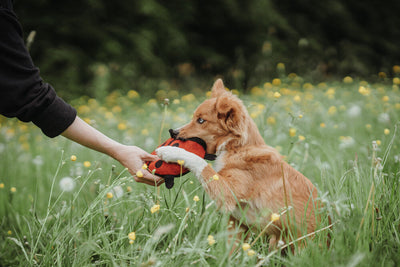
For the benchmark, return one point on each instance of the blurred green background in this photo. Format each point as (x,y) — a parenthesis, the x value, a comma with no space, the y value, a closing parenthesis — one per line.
(92,47)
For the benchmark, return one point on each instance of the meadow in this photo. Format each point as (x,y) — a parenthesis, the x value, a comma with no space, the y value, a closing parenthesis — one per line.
(64,205)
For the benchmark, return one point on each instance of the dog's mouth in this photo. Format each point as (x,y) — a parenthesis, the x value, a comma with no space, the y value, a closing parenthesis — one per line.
(174,134)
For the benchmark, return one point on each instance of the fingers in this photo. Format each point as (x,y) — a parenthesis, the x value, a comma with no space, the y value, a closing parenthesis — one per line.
(150,157)
(149,179)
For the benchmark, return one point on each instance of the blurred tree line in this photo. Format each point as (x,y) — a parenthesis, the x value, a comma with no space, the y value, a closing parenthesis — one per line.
(91,47)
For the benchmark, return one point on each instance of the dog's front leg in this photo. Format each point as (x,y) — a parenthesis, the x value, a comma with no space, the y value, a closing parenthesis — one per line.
(216,186)
(190,160)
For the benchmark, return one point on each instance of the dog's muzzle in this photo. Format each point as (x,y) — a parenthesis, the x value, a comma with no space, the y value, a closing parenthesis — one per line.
(173,133)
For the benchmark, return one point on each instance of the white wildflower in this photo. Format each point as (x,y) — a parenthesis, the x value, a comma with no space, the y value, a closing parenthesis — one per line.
(346,142)
(38,160)
(117,191)
(67,184)
(354,111)
(384,118)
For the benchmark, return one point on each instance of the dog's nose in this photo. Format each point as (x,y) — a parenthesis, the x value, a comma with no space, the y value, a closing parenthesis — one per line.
(173,133)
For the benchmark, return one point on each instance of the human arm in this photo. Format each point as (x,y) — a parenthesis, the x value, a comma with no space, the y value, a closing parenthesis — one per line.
(132,157)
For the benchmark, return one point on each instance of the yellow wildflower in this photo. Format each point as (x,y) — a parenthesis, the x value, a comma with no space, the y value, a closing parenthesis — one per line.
(368,126)
(330,93)
(301,138)
(297,98)
(122,126)
(385,98)
(267,85)
(13,189)
(109,195)
(308,86)
(128,189)
(139,174)
(396,69)
(180,162)
(196,198)
(347,79)
(332,110)
(83,109)
(276,82)
(277,95)
(87,120)
(292,132)
(9,232)
(386,131)
(188,98)
(155,208)
(322,125)
(364,91)
(215,177)
(382,75)
(116,109)
(211,240)
(257,91)
(145,132)
(251,252)
(378,142)
(133,94)
(1,185)
(132,236)
(271,120)
(274,217)
(245,246)
(144,166)
(73,158)
(280,66)
(396,80)
(87,164)
(300,116)
(109,115)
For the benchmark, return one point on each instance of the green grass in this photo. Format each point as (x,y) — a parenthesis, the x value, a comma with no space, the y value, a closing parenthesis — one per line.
(326,131)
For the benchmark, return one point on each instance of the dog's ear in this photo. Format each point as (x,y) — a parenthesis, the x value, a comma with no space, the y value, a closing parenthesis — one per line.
(218,88)
(230,112)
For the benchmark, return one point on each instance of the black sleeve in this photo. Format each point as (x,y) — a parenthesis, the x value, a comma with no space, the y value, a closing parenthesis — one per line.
(23,94)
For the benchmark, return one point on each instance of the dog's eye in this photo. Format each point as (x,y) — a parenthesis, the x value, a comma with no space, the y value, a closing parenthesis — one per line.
(200,121)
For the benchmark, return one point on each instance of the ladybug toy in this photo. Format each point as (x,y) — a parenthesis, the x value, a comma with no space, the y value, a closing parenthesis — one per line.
(169,171)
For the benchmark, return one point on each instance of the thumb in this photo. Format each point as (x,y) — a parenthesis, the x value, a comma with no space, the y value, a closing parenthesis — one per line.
(150,157)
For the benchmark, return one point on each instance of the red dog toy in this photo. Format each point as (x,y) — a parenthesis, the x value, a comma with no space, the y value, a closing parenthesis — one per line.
(169,171)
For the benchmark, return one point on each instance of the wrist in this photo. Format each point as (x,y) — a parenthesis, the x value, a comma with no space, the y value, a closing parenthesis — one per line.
(114,150)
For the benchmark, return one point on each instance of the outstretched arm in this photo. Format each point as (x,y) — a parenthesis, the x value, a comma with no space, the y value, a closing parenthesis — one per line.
(132,157)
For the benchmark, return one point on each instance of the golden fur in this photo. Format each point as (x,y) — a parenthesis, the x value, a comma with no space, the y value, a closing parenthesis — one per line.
(253,179)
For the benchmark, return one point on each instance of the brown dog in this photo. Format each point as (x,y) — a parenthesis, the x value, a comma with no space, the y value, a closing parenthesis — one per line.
(250,179)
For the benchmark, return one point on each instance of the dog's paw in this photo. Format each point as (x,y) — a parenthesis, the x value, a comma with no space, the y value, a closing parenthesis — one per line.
(189,160)
(171,153)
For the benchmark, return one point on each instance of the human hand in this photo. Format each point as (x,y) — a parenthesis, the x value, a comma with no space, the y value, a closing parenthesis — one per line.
(133,158)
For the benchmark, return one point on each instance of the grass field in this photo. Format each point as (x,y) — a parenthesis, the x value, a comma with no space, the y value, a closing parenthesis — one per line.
(64,205)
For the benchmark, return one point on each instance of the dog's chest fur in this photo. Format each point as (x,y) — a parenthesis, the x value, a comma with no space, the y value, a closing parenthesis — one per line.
(220,161)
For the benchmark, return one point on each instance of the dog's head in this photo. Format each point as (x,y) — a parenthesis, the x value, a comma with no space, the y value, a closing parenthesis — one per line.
(220,120)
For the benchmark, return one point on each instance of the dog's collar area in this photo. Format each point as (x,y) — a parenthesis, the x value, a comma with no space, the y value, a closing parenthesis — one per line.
(210,156)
